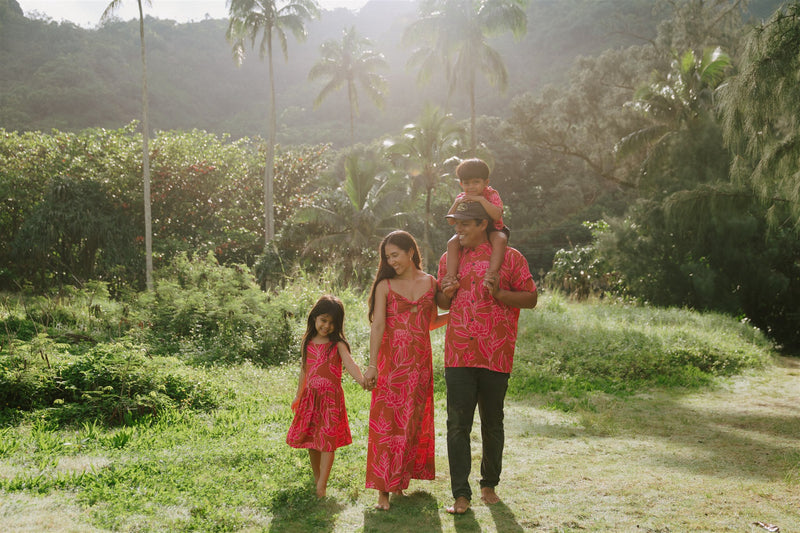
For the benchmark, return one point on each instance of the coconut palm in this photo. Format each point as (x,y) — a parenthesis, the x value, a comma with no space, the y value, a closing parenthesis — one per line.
(455,33)
(349,62)
(358,214)
(683,101)
(426,149)
(109,12)
(248,19)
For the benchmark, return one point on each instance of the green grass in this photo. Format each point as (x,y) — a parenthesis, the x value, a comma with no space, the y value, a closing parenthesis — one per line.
(619,418)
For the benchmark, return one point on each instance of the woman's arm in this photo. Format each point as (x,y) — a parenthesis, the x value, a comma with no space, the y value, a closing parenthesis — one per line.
(438,320)
(376,333)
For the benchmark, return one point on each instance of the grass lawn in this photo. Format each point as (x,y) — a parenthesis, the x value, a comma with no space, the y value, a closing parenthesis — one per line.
(719,455)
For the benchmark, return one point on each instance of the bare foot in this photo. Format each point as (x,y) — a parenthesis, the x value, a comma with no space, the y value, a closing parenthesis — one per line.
(489,496)
(383,501)
(460,506)
(321,492)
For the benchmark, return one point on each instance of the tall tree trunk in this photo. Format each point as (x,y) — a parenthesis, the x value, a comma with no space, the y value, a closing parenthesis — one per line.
(269,170)
(148,223)
(426,232)
(352,121)
(473,140)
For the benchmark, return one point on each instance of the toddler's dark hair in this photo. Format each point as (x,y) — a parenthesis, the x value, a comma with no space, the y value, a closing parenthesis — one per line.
(472,168)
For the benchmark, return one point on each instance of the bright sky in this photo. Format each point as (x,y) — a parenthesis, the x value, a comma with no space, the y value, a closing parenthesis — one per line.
(87,13)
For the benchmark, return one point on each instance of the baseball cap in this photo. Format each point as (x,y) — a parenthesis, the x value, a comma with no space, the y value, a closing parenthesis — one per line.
(469,211)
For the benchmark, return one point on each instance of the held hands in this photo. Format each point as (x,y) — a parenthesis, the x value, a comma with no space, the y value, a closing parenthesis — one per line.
(370,378)
(449,286)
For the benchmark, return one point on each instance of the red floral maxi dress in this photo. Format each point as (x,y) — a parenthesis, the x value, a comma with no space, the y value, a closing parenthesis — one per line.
(320,422)
(401,444)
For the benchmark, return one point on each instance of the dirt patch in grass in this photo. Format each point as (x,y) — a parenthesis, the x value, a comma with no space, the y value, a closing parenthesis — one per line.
(23,513)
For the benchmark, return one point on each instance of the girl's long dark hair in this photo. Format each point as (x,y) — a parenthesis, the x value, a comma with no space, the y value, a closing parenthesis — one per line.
(330,305)
(403,240)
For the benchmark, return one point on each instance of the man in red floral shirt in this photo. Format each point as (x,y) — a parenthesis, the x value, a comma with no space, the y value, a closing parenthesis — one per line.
(479,349)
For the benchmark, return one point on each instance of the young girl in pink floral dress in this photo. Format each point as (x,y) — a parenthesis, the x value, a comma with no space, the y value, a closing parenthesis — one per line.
(320,421)
(402,310)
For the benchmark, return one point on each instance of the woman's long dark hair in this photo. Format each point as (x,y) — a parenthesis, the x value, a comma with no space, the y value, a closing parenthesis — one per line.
(403,240)
(331,305)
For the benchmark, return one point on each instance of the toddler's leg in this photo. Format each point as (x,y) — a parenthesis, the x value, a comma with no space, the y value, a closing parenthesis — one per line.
(453,250)
(325,465)
(499,242)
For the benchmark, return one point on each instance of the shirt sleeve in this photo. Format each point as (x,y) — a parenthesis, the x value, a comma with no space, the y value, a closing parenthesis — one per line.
(519,272)
(493,197)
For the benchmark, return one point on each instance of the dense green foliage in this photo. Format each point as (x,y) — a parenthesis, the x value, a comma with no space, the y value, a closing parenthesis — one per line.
(72,209)
(654,136)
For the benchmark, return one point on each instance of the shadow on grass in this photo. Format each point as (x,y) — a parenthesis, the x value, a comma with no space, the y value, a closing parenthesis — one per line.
(416,512)
(728,442)
(751,435)
(504,519)
(297,509)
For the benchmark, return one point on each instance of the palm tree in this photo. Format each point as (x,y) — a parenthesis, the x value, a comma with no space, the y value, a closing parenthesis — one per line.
(426,148)
(148,225)
(359,214)
(682,101)
(248,19)
(349,62)
(455,33)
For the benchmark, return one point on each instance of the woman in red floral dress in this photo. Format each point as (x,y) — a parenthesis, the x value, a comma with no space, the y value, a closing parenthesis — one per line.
(320,421)
(402,311)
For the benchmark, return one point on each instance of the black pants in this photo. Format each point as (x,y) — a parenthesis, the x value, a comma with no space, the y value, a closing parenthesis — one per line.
(466,388)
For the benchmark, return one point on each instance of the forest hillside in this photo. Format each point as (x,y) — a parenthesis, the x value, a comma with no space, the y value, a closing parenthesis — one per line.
(59,75)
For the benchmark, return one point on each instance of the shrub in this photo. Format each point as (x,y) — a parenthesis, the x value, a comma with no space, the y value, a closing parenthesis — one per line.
(211,313)
(115,382)
(119,382)
(581,272)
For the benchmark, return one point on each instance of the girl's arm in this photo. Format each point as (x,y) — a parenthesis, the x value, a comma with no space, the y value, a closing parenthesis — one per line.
(349,364)
(439,320)
(301,383)
(376,333)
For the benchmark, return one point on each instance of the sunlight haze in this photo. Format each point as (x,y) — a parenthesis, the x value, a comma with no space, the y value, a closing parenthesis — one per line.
(86,13)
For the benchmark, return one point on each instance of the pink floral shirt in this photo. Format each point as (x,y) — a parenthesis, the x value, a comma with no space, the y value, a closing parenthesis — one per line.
(493,197)
(482,332)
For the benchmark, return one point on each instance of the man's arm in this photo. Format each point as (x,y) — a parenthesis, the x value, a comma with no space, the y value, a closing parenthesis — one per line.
(518,299)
